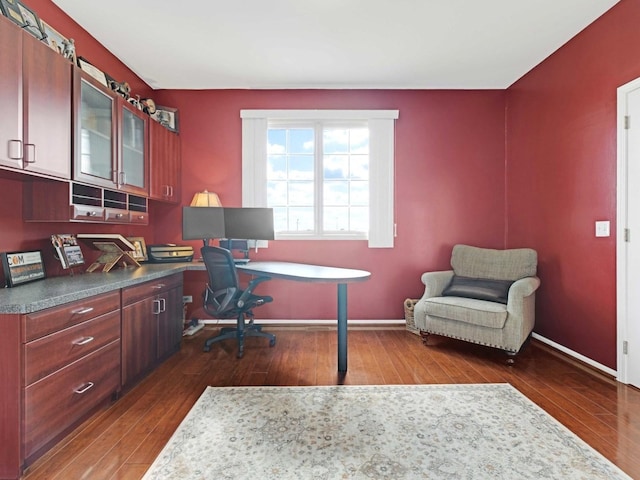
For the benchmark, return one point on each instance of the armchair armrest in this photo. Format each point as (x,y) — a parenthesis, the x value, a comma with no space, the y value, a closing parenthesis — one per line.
(435,282)
(523,287)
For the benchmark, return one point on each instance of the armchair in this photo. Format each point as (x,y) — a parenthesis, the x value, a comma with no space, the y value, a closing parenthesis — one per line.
(488,298)
(223,298)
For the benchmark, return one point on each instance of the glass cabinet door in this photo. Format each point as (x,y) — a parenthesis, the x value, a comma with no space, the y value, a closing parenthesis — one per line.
(133,150)
(96,159)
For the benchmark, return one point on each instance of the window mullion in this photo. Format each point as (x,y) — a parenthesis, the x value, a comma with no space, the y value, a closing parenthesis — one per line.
(319,179)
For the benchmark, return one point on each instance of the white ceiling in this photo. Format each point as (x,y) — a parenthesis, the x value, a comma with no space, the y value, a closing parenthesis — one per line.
(381,44)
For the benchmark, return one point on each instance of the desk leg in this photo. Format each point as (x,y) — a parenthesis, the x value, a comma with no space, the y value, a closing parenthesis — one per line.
(342,327)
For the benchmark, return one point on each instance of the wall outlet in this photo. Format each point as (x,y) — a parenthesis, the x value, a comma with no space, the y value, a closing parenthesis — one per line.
(187,299)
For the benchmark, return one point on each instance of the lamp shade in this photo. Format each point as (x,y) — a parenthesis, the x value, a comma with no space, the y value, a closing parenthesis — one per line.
(206,199)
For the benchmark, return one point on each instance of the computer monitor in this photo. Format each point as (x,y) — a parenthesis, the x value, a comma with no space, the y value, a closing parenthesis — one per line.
(252,223)
(203,223)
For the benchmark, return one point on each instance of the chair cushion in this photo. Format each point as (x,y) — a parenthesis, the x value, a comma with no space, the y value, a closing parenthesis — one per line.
(469,310)
(512,264)
(479,288)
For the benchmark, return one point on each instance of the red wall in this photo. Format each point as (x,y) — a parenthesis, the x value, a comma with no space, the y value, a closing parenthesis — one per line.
(449,188)
(561,178)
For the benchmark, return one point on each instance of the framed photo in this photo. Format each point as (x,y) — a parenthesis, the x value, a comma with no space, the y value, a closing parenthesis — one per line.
(22,267)
(54,39)
(31,21)
(67,250)
(140,252)
(95,72)
(167,117)
(11,10)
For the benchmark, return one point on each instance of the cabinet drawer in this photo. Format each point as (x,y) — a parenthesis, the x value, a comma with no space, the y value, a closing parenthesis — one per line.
(86,212)
(116,216)
(141,218)
(53,319)
(58,401)
(147,289)
(52,352)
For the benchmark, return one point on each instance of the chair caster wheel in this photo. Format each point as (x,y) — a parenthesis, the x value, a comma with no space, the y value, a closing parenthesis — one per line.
(206,348)
(272,342)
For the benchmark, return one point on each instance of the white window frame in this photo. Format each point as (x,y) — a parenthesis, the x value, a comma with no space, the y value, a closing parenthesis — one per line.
(381,162)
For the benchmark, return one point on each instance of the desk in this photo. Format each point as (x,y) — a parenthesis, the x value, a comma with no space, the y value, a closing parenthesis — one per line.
(301,272)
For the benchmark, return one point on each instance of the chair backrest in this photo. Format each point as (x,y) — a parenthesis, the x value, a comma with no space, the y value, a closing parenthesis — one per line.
(223,278)
(512,264)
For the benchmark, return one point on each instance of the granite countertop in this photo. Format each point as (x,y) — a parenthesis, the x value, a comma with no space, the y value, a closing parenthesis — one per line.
(55,291)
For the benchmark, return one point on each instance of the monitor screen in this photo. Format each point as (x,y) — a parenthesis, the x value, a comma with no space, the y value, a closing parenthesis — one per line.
(202,223)
(248,223)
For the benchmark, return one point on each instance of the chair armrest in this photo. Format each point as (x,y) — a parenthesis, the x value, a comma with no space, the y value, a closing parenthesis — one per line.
(435,282)
(523,287)
(250,288)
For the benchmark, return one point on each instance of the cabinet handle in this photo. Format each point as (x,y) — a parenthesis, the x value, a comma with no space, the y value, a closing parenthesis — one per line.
(82,311)
(163,305)
(20,151)
(83,341)
(87,386)
(26,162)
(159,286)
(92,214)
(119,215)
(114,176)
(123,178)
(156,307)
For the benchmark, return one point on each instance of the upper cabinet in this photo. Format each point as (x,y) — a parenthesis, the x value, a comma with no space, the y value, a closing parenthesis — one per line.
(165,164)
(110,138)
(35,100)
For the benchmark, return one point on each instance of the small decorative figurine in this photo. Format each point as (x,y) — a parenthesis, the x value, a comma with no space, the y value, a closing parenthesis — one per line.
(69,50)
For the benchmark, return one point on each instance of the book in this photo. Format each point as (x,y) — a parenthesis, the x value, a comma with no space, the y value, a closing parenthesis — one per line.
(67,250)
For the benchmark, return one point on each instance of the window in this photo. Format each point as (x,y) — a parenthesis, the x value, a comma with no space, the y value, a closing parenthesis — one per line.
(327,174)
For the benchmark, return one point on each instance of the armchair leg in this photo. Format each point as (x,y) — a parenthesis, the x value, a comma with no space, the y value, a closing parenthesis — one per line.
(425,336)
(511,358)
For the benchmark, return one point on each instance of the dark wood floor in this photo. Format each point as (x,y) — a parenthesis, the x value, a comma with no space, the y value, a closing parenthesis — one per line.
(121,441)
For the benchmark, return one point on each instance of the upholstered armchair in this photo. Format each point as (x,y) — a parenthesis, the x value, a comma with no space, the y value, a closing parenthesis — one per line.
(488,298)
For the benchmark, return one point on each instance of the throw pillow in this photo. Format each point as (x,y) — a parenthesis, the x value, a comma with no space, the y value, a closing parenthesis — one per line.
(478,288)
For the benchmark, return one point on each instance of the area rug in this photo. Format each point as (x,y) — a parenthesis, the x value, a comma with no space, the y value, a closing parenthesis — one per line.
(374,432)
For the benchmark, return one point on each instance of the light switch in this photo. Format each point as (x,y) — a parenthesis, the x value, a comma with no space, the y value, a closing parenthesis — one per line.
(602,228)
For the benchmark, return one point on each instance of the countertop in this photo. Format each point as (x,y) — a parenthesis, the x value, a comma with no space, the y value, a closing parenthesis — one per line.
(51,292)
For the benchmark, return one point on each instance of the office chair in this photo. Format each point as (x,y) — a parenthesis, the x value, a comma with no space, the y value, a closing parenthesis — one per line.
(223,298)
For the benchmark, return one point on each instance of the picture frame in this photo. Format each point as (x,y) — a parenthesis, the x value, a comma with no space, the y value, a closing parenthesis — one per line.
(67,250)
(140,252)
(93,71)
(31,21)
(10,9)
(167,117)
(22,267)
(53,38)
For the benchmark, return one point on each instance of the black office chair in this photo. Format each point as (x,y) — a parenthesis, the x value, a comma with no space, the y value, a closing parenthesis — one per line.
(223,298)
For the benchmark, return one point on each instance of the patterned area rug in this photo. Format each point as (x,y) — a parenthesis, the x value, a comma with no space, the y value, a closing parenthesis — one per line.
(375,432)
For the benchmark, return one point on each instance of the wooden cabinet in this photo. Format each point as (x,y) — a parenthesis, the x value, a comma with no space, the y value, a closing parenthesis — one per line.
(59,364)
(110,138)
(151,325)
(165,163)
(35,100)
(48,201)
(71,364)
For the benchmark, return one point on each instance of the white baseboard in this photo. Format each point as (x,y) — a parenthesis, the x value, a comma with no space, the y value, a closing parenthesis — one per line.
(576,355)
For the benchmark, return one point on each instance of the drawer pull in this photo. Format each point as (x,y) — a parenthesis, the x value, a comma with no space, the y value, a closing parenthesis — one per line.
(87,386)
(159,286)
(83,341)
(82,311)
